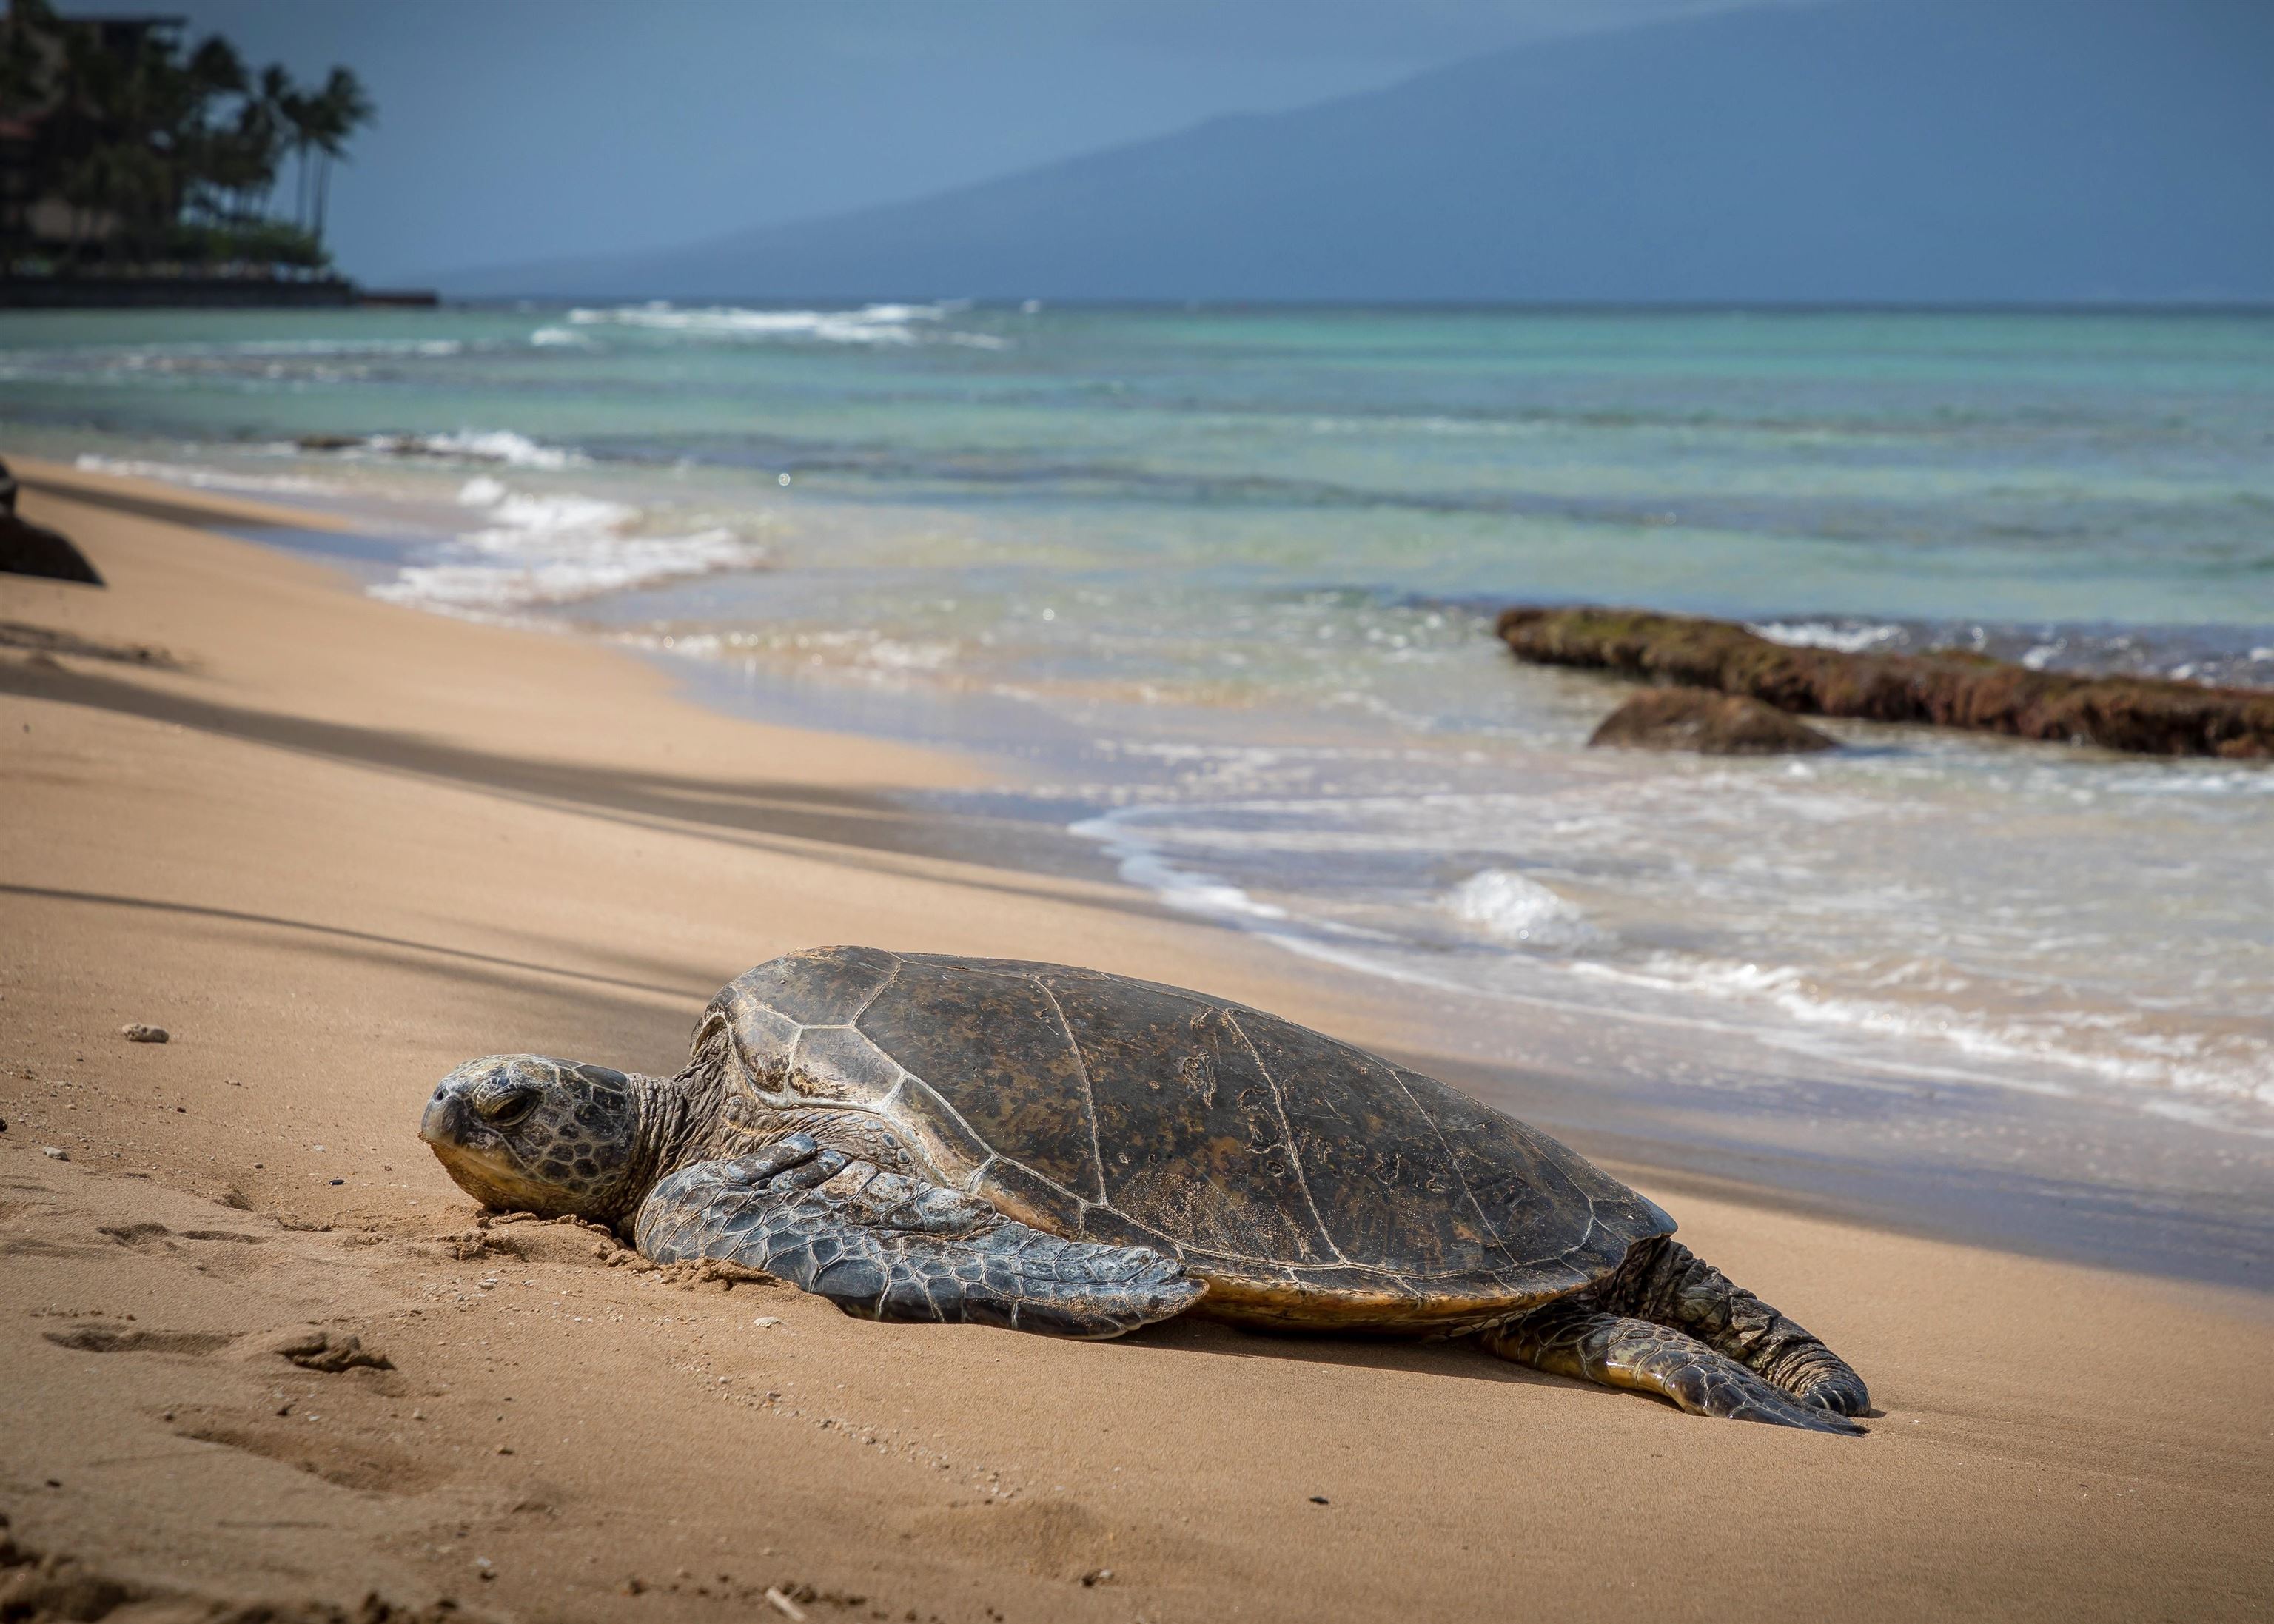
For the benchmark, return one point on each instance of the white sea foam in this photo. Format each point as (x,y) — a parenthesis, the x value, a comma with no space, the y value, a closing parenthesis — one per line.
(502,447)
(1389,423)
(1848,639)
(873,324)
(2109,1047)
(560,338)
(495,446)
(287,360)
(1509,908)
(894,654)
(2202,783)
(326,347)
(1984,1004)
(264,349)
(202,479)
(1142,864)
(537,550)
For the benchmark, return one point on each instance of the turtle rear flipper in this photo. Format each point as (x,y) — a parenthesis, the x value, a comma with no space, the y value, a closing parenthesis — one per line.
(1664,1282)
(886,1247)
(1579,1338)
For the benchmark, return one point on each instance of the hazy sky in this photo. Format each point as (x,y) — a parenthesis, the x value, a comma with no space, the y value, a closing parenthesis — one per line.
(520,130)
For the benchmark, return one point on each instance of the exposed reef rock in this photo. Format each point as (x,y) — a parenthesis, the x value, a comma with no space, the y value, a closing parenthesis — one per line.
(1949,688)
(28,549)
(1689,719)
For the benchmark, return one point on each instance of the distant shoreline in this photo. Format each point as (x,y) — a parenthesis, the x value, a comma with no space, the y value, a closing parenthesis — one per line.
(200,293)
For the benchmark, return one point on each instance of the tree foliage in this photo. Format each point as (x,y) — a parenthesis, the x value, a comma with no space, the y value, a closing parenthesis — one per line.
(150,153)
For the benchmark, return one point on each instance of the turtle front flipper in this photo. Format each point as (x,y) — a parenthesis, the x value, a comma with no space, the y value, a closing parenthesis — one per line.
(886,1247)
(1579,1338)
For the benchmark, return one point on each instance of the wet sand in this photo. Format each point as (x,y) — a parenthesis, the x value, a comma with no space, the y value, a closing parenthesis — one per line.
(335,847)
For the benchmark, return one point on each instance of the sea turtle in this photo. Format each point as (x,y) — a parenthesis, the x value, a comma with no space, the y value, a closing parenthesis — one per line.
(921,1137)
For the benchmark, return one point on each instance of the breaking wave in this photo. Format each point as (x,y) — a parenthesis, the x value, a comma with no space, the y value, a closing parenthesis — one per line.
(1845,637)
(871,324)
(499,446)
(1508,907)
(535,550)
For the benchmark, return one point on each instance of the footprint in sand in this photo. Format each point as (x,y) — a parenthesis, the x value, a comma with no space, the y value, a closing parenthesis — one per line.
(123,1339)
(348,1462)
(135,1234)
(1063,1539)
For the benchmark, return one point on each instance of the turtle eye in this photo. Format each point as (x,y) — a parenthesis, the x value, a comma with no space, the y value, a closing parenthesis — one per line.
(508,1106)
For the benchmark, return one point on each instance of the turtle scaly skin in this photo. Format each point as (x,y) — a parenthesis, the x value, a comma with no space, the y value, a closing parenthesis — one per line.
(1029,1145)
(868,1240)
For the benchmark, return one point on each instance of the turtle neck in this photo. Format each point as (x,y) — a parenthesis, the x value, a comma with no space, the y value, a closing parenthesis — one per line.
(675,1115)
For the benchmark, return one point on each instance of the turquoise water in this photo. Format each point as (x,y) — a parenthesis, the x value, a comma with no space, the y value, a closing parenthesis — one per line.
(1229,575)
(2014,468)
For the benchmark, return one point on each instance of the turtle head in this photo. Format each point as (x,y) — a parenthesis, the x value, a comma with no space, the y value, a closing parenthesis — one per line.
(549,1137)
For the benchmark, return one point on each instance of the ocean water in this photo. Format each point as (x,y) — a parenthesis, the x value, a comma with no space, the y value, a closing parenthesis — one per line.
(1215,588)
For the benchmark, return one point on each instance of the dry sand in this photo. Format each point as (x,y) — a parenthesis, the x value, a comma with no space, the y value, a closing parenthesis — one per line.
(336,846)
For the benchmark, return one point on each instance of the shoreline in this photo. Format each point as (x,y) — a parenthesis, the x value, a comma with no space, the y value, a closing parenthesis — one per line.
(140,292)
(498,840)
(2107,1185)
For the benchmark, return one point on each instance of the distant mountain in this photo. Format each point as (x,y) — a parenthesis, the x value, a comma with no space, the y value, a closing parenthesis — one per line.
(1913,151)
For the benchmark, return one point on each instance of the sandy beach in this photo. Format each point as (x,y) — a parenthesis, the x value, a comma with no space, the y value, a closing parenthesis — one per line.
(336,846)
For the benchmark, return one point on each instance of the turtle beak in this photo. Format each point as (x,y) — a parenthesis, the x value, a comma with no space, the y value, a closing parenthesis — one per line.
(446,1121)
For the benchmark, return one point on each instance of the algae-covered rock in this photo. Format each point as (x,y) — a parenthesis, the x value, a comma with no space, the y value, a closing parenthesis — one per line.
(28,549)
(34,550)
(2151,715)
(1689,718)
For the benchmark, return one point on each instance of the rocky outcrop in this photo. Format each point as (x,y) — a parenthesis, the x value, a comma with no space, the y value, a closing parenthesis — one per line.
(28,549)
(1689,718)
(1949,688)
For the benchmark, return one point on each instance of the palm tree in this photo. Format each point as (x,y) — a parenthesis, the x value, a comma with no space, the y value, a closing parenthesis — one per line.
(213,71)
(340,109)
(216,67)
(289,114)
(244,158)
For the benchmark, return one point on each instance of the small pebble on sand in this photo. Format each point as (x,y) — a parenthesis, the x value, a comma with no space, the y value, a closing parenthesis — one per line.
(140,1032)
(55,1152)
